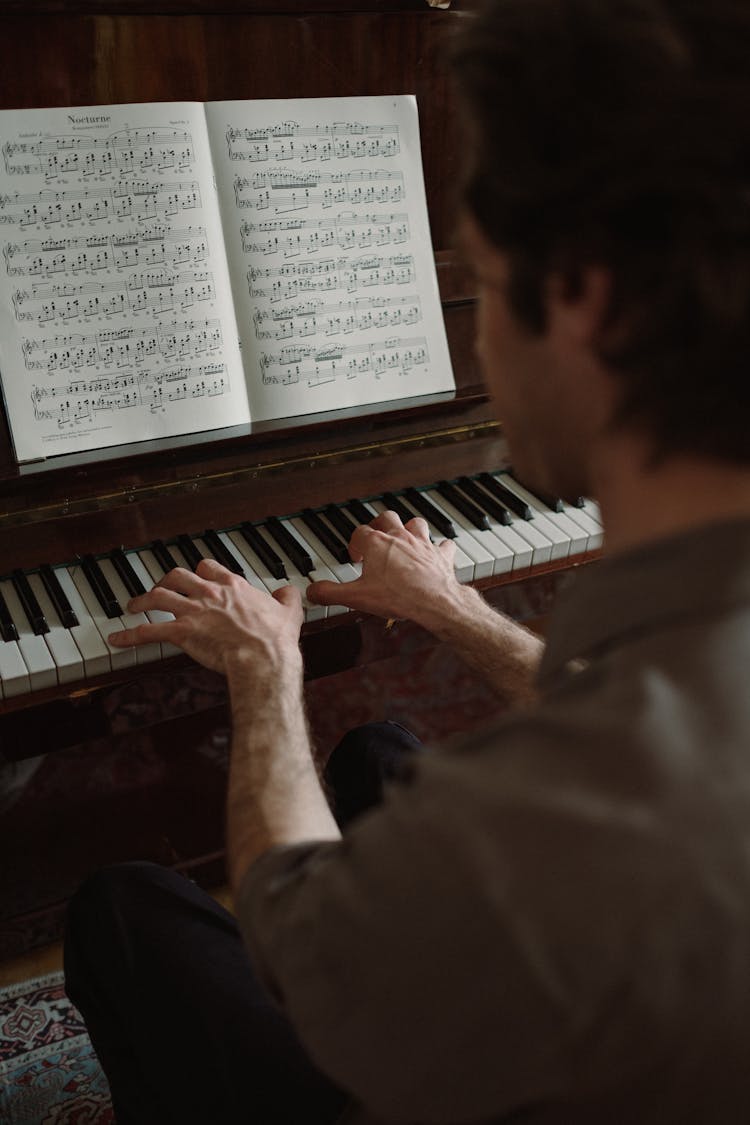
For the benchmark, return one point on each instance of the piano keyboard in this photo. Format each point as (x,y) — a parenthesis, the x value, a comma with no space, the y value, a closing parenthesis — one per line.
(55,620)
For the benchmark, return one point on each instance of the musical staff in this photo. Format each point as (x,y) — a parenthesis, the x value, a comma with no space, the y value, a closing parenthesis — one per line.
(283,191)
(316,366)
(123,348)
(122,152)
(291,141)
(93,254)
(314,317)
(157,293)
(346,274)
(82,401)
(140,200)
(292,237)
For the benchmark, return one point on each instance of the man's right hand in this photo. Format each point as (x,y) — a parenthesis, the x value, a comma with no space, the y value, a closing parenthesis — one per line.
(404,574)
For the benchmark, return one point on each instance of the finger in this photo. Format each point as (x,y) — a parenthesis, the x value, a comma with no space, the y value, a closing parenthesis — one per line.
(288,595)
(419,528)
(358,542)
(159,597)
(213,570)
(331,593)
(447,547)
(291,598)
(182,581)
(150,633)
(386,521)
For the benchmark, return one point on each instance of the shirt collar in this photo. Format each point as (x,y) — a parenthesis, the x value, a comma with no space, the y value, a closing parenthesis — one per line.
(699,571)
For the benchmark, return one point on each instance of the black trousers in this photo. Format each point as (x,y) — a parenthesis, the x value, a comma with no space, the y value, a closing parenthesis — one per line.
(184,1030)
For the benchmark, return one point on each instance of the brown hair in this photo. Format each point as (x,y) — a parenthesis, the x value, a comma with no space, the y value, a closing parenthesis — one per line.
(617,132)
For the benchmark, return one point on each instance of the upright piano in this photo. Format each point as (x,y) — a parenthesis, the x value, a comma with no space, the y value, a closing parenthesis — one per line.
(54,514)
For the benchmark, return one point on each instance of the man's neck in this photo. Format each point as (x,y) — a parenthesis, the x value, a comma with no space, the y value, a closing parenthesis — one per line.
(641,503)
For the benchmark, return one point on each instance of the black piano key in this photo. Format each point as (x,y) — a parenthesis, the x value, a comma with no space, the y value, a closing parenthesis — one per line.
(486,502)
(28,600)
(127,575)
(520,507)
(393,504)
(360,511)
(465,506)
(439,520)
(162,554)
(220,552)
(101,587)
(290,545)
(264,551)
(190,552)
(554,503)
(327,537)
(58,596)
(340,520)
(8,629)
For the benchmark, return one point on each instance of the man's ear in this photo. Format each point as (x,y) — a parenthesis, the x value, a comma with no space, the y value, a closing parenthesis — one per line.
(578,312)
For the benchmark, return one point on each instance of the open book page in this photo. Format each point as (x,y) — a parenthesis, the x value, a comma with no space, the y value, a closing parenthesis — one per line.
(327,235)
(116,318)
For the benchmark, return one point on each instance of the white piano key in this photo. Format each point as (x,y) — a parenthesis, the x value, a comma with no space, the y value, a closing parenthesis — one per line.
(247,569)
(342,572)
(497,549)
(150,565)
(559,540)
(255,562)
(312,612)
(591,508)
(60,641)
(178,557)
(482,559)
(139,560)
(144,654)
(592,528)
(541,547)
(95,653)
(14,675)
(319,573)
(462,564)
(522,537)
(119,657)
(36,655)
(577,536)
(523,552)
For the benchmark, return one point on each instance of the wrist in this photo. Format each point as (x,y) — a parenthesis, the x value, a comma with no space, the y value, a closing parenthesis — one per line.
(445,615)
(260,678)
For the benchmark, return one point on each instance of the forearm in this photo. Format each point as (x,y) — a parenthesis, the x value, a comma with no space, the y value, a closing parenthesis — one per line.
(503,652)
(274,795)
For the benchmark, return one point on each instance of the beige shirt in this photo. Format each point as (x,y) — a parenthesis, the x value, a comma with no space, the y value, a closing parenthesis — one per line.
(553,918)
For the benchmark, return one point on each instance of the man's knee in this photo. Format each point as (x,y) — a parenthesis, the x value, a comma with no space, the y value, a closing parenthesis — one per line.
(116,888)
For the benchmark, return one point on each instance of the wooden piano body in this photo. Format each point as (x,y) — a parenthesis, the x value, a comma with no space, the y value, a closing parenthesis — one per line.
(91,52)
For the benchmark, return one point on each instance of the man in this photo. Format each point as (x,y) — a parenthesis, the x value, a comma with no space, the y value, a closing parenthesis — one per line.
(550,922)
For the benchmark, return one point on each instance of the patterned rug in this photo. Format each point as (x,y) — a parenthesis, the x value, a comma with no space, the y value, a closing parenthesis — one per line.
(49,1074)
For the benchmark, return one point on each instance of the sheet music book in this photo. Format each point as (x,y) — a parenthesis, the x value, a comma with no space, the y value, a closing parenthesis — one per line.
(172,268)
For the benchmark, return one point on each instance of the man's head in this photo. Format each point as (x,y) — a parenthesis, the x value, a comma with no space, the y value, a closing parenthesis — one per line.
(613,137)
